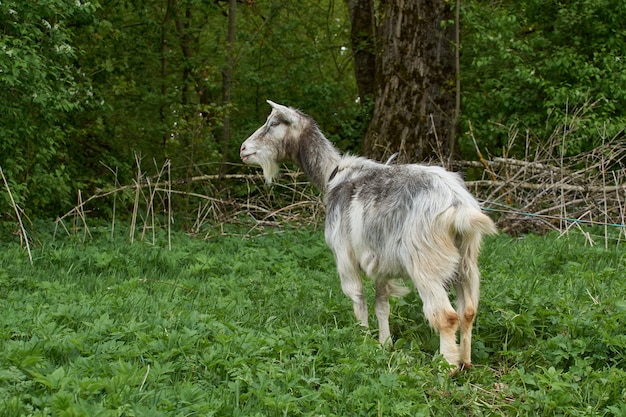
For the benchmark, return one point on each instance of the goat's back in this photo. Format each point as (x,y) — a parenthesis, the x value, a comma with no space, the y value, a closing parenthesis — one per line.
(383,215)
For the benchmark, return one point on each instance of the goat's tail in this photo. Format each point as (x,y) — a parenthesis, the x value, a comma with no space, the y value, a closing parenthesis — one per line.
(468,225)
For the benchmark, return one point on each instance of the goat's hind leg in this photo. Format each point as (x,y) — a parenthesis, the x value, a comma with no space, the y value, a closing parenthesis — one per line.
(467,293)
(466,309)
(440,315)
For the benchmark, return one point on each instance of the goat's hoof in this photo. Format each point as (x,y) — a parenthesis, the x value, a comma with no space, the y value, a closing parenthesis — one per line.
(462,367)
(465,366)
(387,344)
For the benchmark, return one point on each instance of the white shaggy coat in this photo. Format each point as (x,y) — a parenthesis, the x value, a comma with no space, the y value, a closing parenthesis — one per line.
(411,222)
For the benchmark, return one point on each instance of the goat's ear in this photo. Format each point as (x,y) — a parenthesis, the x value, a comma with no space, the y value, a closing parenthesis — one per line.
(284,113)
(276,105)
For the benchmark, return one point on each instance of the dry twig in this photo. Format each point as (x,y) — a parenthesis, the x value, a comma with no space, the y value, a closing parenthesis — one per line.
(17,210)
(543,191)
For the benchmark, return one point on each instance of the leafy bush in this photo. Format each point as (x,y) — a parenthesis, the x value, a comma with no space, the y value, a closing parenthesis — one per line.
(40,88)
(536,63)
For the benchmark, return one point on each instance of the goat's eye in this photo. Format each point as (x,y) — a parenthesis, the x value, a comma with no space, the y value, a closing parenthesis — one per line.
(274,123)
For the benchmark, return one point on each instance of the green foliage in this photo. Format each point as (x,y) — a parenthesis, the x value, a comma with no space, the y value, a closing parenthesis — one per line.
(40,88)
(158,69)
(536,64)
(145,64)
(260,327)
(87,85)
(296,53)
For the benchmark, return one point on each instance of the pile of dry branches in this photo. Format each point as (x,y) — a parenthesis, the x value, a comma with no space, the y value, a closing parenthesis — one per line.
(291,201)
(546,190)
(207,204)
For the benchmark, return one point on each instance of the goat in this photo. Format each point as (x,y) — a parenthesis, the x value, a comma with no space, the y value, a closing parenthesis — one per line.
(409,221)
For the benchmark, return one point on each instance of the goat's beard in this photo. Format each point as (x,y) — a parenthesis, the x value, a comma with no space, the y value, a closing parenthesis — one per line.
(270,169)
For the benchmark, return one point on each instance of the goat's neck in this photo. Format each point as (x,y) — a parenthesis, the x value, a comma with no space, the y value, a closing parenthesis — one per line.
(317,157)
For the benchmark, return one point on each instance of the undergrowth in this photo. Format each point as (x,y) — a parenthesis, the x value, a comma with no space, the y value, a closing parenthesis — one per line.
(259,327)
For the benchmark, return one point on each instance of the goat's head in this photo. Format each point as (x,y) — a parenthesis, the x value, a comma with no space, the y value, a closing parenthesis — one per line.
(269,145)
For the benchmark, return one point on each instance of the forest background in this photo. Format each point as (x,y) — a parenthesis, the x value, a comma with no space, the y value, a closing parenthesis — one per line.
(89,88)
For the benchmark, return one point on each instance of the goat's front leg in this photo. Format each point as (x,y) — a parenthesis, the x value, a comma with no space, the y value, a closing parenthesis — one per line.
(352,286)
(383,292)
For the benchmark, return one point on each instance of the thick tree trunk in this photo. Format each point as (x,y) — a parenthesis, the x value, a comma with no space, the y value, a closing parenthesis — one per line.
(414,108)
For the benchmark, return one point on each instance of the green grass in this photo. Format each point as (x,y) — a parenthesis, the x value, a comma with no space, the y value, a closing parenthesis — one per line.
(259,327)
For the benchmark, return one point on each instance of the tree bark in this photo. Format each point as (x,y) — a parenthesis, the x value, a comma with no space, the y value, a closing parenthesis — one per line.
(415,84)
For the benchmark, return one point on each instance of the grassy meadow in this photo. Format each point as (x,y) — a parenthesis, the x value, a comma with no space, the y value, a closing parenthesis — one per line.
(259,327)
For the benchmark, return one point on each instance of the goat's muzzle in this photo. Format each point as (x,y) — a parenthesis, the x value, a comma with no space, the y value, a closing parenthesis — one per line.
(244,154)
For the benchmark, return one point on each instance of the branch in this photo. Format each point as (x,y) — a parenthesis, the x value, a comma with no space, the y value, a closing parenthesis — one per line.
(555,186)
(17,213)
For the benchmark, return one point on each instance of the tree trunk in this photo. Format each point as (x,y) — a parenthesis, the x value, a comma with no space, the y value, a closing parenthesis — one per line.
(227,75)
(414,107)
(162,106)
(182,26)
(362,40)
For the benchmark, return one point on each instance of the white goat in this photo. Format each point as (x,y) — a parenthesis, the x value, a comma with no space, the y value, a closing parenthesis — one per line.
(391,221)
